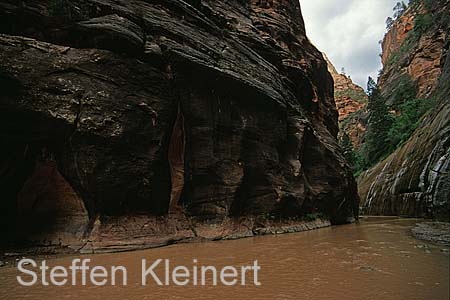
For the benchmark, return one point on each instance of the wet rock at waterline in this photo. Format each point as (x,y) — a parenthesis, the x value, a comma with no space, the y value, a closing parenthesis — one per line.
(97,91)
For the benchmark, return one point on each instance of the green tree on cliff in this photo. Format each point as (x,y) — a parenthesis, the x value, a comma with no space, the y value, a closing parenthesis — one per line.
(389,23)
(371,86)
(380,122)
(399,9)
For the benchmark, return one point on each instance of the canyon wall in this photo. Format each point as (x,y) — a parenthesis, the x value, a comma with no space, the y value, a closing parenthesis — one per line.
(397,34)
(414,180)
(416,53)
(120,108)
(351,102)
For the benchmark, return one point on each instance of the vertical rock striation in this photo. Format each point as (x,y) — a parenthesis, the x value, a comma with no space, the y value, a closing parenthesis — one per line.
(414,180)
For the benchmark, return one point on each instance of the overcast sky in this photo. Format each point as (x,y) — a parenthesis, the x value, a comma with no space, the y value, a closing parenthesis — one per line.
(348,31)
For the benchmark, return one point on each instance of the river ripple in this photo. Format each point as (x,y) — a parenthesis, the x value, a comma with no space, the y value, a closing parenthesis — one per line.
(376,259)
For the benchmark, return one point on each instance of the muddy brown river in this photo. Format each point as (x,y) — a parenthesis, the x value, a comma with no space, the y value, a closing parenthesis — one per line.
(376,259)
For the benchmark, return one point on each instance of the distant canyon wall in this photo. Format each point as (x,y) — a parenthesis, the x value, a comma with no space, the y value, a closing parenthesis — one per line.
(351,103)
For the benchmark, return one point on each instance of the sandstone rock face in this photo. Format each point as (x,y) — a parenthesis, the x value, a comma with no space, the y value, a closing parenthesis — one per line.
(98,87)
(421,59)
(414,180)
(396,36)
(49,209)
(356,126)
(425,67)
(351,101)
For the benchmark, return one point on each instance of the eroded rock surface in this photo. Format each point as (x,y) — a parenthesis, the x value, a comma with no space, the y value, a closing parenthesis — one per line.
(351,102)
(405,53)
(349,97)
(97,85)
(396,36)
(415,180)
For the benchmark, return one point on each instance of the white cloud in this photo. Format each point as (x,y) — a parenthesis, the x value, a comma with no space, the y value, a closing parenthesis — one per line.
(348,31)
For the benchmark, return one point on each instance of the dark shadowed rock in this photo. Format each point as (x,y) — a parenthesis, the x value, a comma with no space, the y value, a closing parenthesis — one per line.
(111,32)
(96,87)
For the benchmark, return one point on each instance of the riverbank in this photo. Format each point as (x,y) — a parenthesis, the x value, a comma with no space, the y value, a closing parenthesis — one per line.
(133,233)
(434,232)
